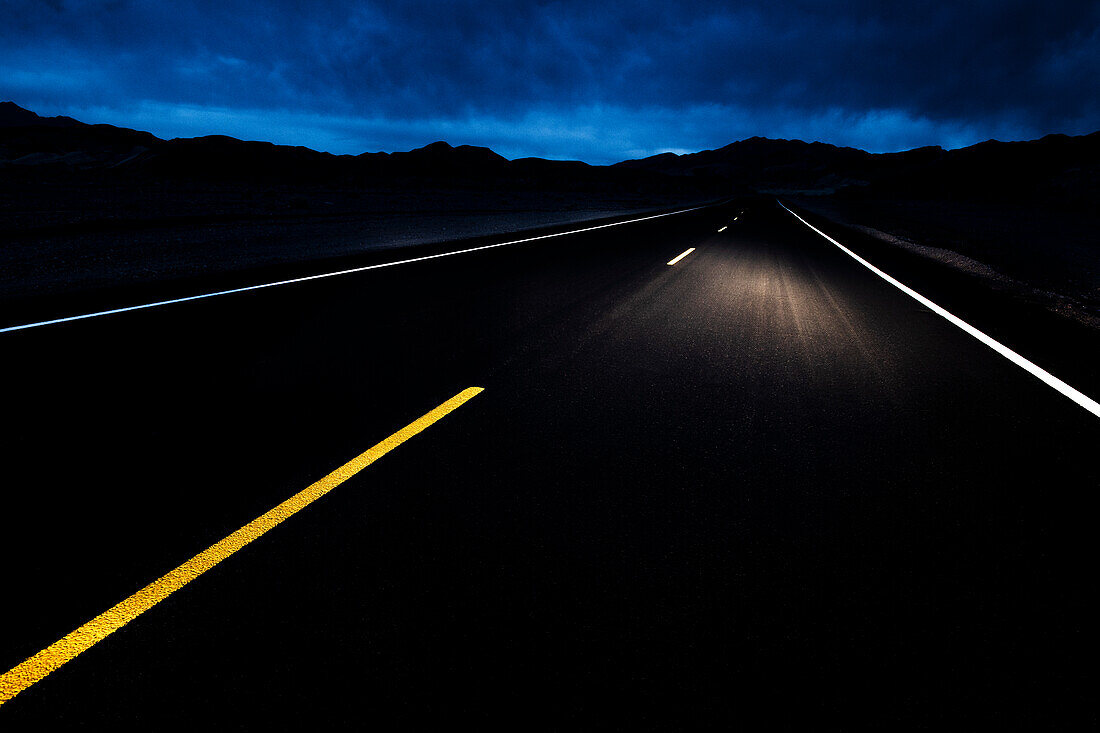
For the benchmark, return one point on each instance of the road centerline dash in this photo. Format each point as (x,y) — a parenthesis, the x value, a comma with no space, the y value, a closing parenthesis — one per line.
(38,666)
(680,256)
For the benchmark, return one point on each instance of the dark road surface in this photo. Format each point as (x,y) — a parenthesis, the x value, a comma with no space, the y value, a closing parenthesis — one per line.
(760,488)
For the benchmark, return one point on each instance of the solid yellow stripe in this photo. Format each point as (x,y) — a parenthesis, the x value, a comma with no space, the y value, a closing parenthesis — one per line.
(52,657)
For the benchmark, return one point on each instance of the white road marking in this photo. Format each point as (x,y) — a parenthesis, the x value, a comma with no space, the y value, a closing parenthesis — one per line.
(307,278)
(680,256)
(1046,377)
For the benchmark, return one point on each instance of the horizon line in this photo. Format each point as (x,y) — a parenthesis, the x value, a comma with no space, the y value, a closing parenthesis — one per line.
(533,157)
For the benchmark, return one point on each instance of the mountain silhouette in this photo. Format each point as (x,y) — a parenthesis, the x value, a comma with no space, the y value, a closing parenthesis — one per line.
(1056,167)
(12,115)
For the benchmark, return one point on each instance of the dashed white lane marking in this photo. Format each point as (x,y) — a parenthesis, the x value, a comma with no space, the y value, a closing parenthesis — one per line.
(680,256)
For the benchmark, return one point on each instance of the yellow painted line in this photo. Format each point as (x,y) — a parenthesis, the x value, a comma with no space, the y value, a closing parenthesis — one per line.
(680,256)
(722,230)
(52,657)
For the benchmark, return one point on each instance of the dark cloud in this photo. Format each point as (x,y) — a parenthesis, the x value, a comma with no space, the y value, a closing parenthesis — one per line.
(639,76)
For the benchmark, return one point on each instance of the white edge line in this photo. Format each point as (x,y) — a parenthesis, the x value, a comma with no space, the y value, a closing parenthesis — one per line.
(1049,379)
(680,256)
(323,275)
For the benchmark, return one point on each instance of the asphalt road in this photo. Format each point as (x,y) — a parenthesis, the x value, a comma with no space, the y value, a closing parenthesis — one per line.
(758,487)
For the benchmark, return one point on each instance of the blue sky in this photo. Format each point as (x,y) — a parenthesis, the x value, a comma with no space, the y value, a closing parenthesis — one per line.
(596,81)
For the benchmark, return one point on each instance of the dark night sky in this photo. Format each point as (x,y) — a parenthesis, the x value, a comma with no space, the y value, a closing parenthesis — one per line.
(598,80)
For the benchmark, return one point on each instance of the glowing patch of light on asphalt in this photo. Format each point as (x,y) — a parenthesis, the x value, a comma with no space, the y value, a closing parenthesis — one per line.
(1043,375)
(323,275)
(680,256)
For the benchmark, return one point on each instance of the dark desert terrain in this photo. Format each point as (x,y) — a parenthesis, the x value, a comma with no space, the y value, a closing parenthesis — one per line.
(94,207)
(86,209)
